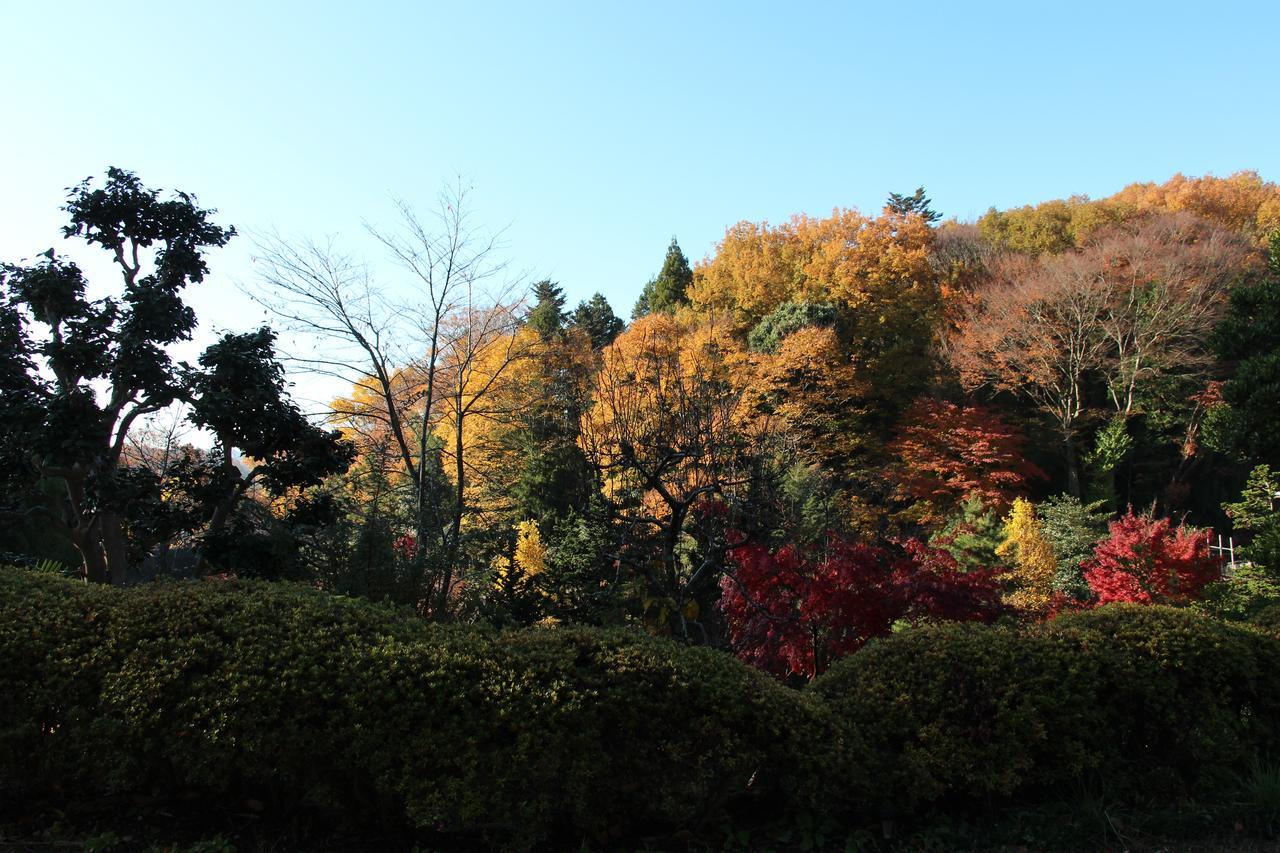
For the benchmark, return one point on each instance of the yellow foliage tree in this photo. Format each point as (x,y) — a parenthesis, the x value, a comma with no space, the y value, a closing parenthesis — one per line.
(528,561)
(1025,546)
(871,267)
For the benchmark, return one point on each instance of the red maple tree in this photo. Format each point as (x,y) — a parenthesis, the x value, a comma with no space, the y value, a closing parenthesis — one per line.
(792,612)
(1148,560)
(949,453)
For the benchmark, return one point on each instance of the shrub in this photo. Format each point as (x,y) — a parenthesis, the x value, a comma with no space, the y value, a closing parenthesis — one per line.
(280,693)
(1181,696)
(951,711)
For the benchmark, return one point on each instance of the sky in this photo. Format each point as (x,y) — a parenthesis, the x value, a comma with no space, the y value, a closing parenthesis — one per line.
(592,133)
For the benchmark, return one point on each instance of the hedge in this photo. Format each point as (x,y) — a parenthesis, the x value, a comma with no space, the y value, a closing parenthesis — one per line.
(280,693)
(286,695)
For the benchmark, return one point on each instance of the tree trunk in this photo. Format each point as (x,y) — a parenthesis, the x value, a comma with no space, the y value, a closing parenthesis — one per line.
(1073,468)
(115,547)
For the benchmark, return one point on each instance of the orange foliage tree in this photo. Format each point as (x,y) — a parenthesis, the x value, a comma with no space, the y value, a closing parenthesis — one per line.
(949,453)
(665,432)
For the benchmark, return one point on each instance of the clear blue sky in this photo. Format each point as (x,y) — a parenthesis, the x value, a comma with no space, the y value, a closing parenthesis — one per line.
(596,131)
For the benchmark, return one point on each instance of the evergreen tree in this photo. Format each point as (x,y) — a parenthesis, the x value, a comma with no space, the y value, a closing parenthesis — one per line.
(1249,335)
(917,203)
(971,535)
(1072,528)
(547,316)
(595,317)
(666,292)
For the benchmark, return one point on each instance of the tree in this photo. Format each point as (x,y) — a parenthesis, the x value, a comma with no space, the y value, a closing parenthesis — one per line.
(1072,529)
(794,611)
(1024,545)
(82,372)
(1166,279)
(395,351)
(949,453)
(665,434)
(971,535)
(1249,336)
(768,334)
(594,317)
(668,291)
(1258,512)
(912,205)
(547,316)
(1148,560)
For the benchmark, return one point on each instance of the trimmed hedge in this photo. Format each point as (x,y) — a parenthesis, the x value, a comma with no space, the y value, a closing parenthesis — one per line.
(287,695)
(279,693)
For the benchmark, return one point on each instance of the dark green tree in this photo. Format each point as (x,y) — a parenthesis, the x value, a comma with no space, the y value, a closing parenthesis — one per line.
(666,292)
(971,535)
(80,372)
(916,203)
(547,316)
(768,334)
(1249,337)
(595,317)
(1072,528)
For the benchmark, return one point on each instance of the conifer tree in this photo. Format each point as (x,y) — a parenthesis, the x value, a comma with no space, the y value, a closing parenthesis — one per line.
(668,291)
(595,317)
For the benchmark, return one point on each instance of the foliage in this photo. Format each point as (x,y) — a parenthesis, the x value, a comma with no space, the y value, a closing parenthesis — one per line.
(971,535)
(547,316)
(79,372)
(669,290)
(915,204)
(236,691)
(1249,336)
(1258,512)
(951,453)
(1139,701)
(596,319)
(1072,529)
(1034,566)
(1147,560)
(280,694)
(794,611)
(788,317)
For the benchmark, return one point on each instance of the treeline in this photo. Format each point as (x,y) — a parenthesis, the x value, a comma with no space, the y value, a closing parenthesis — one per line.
(827,428)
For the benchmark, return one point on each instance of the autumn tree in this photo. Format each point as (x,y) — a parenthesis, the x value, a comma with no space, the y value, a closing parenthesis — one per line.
(394,349)
(1033,565)
(664,433)
(794,611)
(949,453)
(1135,304)
(1150,561)
(810,393)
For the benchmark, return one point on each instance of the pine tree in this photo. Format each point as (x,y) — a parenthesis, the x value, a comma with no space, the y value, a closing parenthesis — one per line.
(547,316)
(916,203)
(595,317)
(1072,529)
(666,292)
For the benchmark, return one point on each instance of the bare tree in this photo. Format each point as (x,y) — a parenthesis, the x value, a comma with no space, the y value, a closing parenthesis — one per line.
(455,305)
(1167,278)
(1038,331)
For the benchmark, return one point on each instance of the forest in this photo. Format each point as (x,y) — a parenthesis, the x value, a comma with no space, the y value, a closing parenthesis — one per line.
(830,435)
